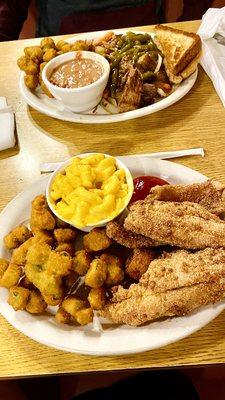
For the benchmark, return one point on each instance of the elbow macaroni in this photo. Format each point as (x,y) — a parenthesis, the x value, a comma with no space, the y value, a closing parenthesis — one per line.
(90,190)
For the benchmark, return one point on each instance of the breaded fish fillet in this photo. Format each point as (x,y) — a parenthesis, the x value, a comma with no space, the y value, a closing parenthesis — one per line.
(127,238)
(187,225)
(209,194)
(173,285)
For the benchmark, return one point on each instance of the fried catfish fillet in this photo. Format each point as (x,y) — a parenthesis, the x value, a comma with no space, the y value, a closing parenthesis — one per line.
(45,268)
(209,194)
(173,285)
(41,217)
(187,225)
(127,238)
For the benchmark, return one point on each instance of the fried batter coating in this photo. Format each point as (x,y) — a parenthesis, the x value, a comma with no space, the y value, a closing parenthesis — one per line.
(66,48)
(138,263)
(65,235)
(31,81)
(115,274)
(36,303)
(60,44)
(127,238)
(18,297)
(79,45)
(97,298)
(81,262)
(11,276)
(62,316)
(49,54)
(42,65)
(84,316)
(68,247)
(97,274)
(3,266)
(27,65)
(71,305)
(45,269)
(60,223)
(19,254)
(187,225)
(41,217)
(52,299)
(34,53)
(43,237)
(96,240)
(47,43)
(17,236)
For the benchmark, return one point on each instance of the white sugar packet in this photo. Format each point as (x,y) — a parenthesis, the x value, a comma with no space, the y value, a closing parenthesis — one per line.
(213,58)
(7,126)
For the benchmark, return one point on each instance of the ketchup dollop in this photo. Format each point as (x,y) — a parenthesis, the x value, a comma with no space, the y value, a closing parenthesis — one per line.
(143,184)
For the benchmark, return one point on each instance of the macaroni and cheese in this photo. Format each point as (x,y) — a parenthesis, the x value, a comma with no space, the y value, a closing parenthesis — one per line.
(90,190)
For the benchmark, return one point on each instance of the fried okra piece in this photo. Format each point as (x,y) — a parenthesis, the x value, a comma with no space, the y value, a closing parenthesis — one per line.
(71,305)
(47,43)
(27,65)
(67,247)
(65,235)
(3,266)
(62,316)
(96,240)
(35,53)
(97,298)
(53,300)
(81,262)
(60,223)
(79,45)
(84,316)
(18,297)
(115,274)
(36,303)
(17,236)
(97,274)
(42,65)
(49,54)
(45,90)
(41,216)
(19,254)
(31,81)
(60,44)
(43,237)
(138,263)
(66,48)
(11,276)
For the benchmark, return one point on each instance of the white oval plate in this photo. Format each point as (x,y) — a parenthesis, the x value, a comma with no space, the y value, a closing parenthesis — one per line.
(115,339)
(53,107)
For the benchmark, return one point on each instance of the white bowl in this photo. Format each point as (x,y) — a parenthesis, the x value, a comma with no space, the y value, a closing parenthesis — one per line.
(83,98)
(102,223)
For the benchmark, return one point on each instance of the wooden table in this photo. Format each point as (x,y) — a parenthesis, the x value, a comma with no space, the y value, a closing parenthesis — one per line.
(195,121)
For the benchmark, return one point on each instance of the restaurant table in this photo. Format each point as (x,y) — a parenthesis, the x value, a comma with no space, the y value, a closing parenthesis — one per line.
(197,120)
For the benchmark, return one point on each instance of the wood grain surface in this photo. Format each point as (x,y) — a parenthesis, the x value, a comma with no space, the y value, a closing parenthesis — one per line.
(198,120)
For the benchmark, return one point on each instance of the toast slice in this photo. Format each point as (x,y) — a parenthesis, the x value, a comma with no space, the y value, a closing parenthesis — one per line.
(185,73)
(179,48)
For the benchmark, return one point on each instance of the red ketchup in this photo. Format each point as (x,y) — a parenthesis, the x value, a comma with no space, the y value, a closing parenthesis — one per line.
(143,184)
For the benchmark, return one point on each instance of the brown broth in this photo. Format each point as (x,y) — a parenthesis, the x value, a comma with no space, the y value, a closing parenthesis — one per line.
(76,73)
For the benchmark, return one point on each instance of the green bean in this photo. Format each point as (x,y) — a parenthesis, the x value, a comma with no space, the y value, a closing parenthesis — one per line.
(114,76)
(147,75)
(138,36)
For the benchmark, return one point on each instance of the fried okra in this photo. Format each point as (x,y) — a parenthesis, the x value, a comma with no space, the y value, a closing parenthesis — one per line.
(96,240)
(41,216)
(68,247)
(36,303)
(27,65)
(47,43)
(43,236)
(97,298)
(18,297)
(45,269)
(81,262)
(53,299)
(49,54)
(115,273)
(35,53)
(11,276)
(45,90)
(3,266)
(65,235)
(17,236)
(84,316)
(62,316)
(19,254)
(71,305)
(31,81)
(97,274)
(138,263)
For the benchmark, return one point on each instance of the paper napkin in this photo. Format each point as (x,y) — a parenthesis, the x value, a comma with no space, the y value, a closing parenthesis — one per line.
(213,58)
(7,137)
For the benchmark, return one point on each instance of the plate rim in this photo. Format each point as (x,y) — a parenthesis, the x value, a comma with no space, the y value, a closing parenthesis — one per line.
(32,100)
(219,306)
